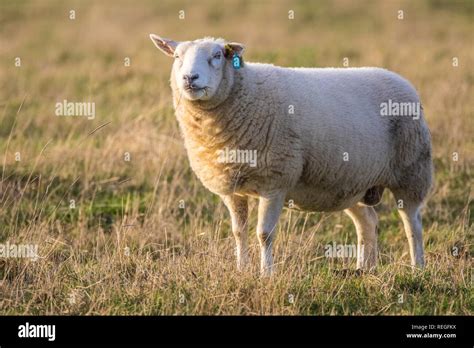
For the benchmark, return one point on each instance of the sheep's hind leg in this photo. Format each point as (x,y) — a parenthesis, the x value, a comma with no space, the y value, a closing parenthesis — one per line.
(269,209)
(365,220)
(411,217)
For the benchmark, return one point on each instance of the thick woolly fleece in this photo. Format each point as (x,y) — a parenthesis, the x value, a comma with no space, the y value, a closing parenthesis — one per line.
(318,133)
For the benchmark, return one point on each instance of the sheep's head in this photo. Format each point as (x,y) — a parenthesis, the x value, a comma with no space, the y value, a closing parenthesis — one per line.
(199,66)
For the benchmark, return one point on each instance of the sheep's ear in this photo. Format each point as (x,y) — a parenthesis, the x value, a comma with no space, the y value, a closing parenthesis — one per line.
(232,48)
(165,45)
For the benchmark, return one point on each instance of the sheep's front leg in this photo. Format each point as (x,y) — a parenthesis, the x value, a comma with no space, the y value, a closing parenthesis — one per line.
(238,209)
(269,209)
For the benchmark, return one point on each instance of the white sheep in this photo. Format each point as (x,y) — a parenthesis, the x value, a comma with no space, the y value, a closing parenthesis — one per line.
(326,139)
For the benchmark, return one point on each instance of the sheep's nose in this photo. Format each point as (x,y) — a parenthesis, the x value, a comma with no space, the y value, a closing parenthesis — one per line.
(190,77)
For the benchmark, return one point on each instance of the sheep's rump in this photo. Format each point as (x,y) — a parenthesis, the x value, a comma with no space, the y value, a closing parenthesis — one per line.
(351,149)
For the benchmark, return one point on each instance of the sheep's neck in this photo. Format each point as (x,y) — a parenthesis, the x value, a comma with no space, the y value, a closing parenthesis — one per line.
(213,129)
(217,123)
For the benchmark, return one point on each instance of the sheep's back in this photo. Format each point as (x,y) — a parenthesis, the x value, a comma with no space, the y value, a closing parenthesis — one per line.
(346,142)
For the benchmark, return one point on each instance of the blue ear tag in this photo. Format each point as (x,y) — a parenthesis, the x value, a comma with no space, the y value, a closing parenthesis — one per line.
(236,61)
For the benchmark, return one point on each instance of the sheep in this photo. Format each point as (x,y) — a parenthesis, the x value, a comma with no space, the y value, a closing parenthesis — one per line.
(326,139)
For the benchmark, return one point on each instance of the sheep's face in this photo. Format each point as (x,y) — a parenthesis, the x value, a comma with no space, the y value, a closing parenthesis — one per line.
(199,66)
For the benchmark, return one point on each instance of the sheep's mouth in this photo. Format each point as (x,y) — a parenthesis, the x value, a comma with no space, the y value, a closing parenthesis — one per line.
(195,93)
(194,89)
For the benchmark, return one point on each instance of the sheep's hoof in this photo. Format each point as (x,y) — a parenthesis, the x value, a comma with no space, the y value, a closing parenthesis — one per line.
(346,272)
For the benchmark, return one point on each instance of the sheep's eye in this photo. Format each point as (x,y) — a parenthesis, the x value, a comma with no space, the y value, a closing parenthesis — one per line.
(217,55)
(176,56)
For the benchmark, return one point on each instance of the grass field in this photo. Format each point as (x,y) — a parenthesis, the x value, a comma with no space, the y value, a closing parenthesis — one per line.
(122,224)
